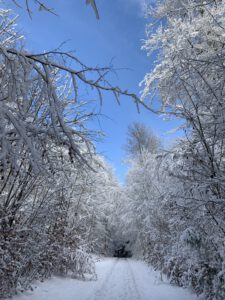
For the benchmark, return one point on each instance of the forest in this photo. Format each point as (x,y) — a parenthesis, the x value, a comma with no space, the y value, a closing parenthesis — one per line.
(60,200)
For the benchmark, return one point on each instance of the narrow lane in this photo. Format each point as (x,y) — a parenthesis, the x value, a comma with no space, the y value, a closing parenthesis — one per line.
(118,279)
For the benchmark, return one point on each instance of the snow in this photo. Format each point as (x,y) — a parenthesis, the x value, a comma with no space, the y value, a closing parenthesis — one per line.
(124,279)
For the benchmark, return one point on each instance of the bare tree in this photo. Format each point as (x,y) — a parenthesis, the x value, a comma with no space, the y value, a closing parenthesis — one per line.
(140,139)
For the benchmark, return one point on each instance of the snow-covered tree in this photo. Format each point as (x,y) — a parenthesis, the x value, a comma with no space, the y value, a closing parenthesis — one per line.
(188,79)
(54,190)
(143,192)
(140,139)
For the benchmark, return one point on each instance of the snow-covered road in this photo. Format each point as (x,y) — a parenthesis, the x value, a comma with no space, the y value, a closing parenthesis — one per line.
(118,279)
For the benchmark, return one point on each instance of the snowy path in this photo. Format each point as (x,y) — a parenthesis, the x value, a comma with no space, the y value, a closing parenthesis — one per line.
(118,279)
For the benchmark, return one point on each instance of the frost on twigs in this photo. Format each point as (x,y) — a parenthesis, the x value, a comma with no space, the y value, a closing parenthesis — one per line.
(53,186)
(43,6)
(187,82)
(40,103)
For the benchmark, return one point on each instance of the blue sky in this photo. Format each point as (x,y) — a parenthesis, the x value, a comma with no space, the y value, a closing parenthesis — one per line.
(117,35)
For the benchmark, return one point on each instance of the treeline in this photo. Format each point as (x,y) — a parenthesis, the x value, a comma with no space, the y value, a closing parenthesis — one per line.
(53,225)
(53,186)
(176,197)
(59,201)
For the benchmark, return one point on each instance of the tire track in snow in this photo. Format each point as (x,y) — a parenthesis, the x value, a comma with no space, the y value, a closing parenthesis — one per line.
(131,285)
(100,292)
(123,279)
(118,284)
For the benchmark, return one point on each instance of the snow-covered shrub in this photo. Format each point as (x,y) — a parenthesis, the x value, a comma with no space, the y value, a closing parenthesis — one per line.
(54,189)
(82,264)
(188,81)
